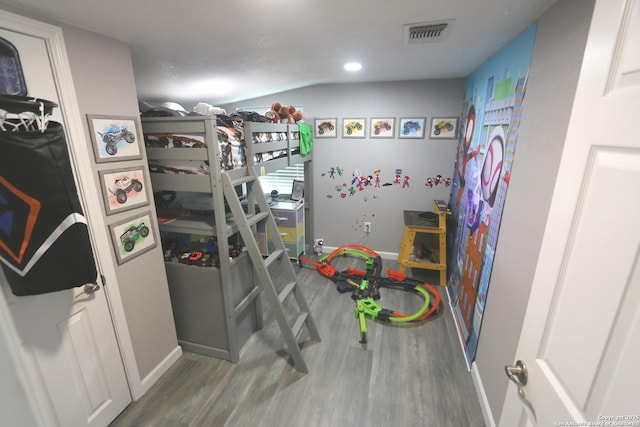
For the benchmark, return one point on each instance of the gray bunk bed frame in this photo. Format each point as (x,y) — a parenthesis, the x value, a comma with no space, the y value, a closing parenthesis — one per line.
(215,309)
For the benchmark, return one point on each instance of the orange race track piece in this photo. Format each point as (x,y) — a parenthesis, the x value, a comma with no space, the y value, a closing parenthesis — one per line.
(396,275)
(324,269)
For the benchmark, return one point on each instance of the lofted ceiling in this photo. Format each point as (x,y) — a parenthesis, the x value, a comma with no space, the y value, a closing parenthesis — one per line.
(218,52)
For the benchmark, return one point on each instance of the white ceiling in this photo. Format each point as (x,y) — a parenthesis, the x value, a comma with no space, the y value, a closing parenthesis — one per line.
(225,51)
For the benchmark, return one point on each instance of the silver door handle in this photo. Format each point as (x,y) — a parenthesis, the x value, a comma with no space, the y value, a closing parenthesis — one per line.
(88,289)
(517,373)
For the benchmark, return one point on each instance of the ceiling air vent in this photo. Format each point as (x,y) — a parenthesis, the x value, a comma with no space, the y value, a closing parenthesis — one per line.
(426,32)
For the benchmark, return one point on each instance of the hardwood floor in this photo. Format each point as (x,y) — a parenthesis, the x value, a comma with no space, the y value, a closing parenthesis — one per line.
(411,375)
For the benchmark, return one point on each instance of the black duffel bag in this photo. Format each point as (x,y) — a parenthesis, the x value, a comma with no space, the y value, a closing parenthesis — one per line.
(44,240)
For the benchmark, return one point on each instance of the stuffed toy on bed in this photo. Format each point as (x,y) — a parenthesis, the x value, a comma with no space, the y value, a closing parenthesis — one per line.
(297,116)
(273,115)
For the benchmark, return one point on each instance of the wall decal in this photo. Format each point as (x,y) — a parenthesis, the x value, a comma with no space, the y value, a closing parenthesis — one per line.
(493,107)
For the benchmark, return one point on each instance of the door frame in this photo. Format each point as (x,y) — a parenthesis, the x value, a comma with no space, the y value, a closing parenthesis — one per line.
(81,160)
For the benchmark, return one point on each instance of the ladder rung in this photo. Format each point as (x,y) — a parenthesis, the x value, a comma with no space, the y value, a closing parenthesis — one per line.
(286,291)
(254,219)
(243,180)
(246,300)
(273,256)
(299,323)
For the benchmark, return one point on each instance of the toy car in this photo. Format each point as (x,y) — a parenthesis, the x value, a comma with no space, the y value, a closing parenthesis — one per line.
(351,126)
(379,125)
(324,126)
(443,124)
(115,134)
(133,234)
(410,126)
(184,257)
(208,259)
(125,185)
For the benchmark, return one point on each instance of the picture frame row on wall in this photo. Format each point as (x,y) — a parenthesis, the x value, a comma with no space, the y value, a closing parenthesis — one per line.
(117,139)
(386,127)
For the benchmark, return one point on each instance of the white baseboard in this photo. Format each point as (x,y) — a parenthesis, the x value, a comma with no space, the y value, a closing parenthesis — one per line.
(159,370)
(484,402)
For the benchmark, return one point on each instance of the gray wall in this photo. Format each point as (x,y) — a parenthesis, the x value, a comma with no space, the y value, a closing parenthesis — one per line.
(103,78)
(339,221)
(553,76)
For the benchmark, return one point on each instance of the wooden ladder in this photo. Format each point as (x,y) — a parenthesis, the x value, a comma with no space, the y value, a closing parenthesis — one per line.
(277,287)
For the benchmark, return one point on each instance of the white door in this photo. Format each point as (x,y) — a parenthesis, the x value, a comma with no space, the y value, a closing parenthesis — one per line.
(68,338)
(581,336)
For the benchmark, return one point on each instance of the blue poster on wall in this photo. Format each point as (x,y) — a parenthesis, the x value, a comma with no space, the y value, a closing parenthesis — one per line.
(494,100)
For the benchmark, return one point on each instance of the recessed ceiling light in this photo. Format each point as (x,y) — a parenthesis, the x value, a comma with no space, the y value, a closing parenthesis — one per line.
(353,66)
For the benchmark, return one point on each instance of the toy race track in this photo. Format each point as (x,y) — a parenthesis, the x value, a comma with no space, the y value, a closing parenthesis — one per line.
(364,287)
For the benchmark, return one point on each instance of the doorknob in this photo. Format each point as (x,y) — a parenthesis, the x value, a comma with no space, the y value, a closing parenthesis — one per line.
(88,289)
(517,373)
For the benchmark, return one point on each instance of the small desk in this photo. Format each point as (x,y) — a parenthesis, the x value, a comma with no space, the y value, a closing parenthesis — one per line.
(414,224)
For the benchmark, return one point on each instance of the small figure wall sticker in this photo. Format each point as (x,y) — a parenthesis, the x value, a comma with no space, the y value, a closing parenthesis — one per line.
(332,172)
(398,176)
(437,180)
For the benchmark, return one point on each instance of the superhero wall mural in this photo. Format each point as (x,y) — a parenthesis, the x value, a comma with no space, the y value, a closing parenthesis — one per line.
(493,106)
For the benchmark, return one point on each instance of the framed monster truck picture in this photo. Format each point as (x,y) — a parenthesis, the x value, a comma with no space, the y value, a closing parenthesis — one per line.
(115,138)
(123,189)
(444,128)
(411,127)
(382,127)
(354,128)
(325,128)
(132,237)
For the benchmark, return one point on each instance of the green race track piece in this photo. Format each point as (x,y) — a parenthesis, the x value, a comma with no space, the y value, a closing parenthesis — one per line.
(414,316)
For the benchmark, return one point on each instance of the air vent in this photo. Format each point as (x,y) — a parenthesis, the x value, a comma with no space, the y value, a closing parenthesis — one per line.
(426,32)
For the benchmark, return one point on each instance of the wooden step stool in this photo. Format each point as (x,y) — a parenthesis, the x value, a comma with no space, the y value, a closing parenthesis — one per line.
(414,224)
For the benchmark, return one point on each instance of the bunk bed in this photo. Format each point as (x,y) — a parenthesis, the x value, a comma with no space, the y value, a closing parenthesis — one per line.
(214,298)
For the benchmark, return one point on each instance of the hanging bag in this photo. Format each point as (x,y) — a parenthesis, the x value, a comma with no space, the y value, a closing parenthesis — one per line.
(44,240)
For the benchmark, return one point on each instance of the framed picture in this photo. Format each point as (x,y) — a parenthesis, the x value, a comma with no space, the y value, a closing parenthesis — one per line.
(412,127)
(132,237)
(444,128)
(115,138)
(382,127)
(297,190)
(325,128)
(354,128)
(123,189)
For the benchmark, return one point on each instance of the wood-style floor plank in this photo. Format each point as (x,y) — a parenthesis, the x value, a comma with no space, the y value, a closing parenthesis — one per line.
(408,375)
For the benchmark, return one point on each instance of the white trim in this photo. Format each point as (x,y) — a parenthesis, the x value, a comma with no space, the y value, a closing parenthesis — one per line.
(482,396)
(159,370)
(458,329)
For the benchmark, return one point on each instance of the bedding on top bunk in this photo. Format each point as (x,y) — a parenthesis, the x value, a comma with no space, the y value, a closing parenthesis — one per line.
(231,143)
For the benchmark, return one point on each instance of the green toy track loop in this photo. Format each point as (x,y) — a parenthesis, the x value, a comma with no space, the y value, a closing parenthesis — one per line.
(417,314)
